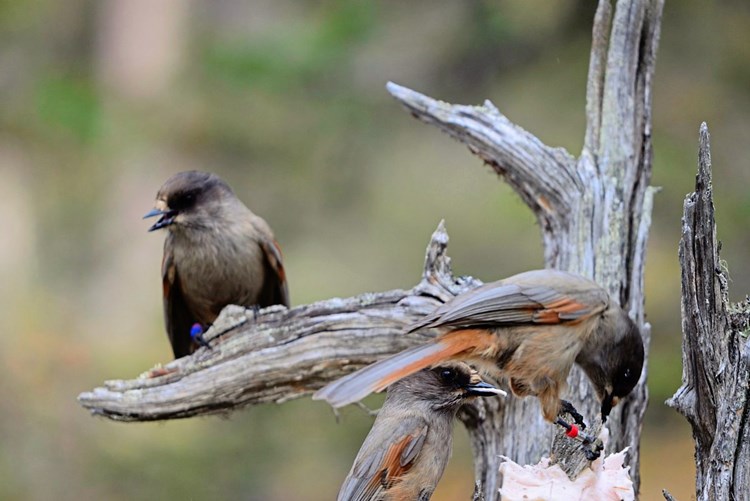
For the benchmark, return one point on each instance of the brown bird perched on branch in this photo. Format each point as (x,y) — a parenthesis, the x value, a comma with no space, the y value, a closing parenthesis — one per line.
(217,252)
(529,328)
(409,445)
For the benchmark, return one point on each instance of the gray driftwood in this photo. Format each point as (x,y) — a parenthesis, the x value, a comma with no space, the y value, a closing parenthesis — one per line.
(276,354)
(715,351)
(594,212)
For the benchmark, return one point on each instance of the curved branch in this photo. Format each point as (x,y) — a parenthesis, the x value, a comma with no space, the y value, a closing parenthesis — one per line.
(279,354)
(544,177)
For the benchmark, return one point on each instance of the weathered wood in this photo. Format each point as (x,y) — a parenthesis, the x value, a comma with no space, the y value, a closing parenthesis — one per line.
(715,351)
(279,354)
(594,213)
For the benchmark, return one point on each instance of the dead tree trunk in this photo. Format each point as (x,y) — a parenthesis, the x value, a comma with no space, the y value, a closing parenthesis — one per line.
(594,212)
(715,351)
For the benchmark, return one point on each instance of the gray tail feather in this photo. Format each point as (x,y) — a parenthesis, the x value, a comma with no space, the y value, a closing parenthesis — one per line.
(357,385)
(422,324)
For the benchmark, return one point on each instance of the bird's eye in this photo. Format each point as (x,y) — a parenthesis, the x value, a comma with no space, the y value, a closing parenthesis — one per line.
(448,375)
(183,200)
(627,374)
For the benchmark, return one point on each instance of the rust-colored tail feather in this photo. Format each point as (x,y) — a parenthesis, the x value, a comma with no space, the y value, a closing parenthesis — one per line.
(378,376)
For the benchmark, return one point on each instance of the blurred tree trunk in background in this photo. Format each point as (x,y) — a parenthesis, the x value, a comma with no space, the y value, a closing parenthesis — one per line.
(140,45)
(715,351)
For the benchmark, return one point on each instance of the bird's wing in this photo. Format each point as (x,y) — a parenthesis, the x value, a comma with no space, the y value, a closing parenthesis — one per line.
(535,297)
(387,454)
(178,318)
(274,290)
(376,377)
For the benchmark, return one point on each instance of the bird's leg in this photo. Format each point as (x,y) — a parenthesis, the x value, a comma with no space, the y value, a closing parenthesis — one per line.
(586,439)
(572,431)
(255,308)
(336,415)
(567,408)
(197,330)
(370,412)
(196,334)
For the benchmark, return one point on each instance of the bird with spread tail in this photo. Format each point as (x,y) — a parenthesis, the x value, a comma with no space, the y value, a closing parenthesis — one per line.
(529,329)
(410,443)
(217,252)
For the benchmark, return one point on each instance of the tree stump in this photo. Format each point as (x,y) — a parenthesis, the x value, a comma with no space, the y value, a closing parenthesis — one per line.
(715,351)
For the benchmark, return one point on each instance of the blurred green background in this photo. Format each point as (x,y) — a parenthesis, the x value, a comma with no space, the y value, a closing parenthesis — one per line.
(101,101)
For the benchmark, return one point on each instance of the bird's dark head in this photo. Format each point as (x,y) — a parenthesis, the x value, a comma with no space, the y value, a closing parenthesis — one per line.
(447,386)
(614,364)
(189,199)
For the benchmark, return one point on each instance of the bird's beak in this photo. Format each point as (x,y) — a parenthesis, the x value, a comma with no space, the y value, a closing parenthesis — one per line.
(482,389)
(608,402)
(167,216)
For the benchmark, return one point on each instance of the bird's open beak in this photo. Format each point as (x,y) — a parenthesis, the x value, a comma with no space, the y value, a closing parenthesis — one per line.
(482,389)
(608,402)
(167,218)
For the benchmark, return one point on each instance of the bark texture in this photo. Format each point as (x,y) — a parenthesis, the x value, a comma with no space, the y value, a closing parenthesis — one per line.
(277,354)
(594,212)
(715,351)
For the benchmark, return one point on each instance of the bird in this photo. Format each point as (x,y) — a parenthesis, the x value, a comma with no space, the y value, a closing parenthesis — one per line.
(216,252)
(409,445)
(529,329)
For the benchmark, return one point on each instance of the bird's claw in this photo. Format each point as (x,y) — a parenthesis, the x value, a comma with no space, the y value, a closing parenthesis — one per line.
(196,334)
(595,451)
(567,408)
(255,308)
(572,431)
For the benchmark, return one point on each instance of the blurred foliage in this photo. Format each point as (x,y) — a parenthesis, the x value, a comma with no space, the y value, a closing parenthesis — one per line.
(298,55)
(69,105)
(286,101)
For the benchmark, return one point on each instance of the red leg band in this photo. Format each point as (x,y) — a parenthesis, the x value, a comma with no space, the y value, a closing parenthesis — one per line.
(573,431)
